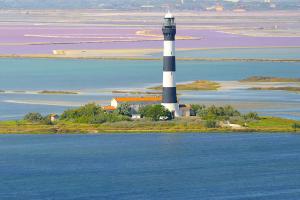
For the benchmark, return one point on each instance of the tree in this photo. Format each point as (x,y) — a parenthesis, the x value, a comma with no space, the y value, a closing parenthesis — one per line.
(33,117)
(83,114)
(251,116)
(155,112)
(230,111)
(124,109)
(198,110)
(92,114)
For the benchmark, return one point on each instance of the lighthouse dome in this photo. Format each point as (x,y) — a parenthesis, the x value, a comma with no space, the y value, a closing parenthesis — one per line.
(169,16)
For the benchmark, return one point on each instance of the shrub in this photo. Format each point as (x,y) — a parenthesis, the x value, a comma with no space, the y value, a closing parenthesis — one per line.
(33,117)
(91,114)
(215,113)
(251,116)
(211,124)
(197,109)
(38,118)
(83,114)
(155,112)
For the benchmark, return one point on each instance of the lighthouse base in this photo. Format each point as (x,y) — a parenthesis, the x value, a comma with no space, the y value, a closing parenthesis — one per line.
(172,107)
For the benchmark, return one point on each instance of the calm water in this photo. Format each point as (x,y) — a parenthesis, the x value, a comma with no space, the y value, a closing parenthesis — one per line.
(154,166)
(41,74)
(271,53)
(94,77)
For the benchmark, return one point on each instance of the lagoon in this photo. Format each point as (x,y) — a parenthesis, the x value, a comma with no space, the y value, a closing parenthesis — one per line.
(95,78)
(52,74)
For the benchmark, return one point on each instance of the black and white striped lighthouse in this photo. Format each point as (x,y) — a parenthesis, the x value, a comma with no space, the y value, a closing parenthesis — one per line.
(169,100)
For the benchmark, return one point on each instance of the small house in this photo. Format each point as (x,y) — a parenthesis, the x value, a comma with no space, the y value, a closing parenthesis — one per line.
(185,110)
(54,117)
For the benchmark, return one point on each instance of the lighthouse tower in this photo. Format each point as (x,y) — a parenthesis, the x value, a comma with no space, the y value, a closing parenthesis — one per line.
(169,100)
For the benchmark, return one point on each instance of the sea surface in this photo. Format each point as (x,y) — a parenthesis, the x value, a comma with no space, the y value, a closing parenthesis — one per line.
(95,79)
(150,166)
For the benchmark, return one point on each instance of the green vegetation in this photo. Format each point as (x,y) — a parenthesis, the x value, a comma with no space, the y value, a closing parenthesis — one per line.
(211,124)
(57,92)
(196,85)
(155,112)
(289,89)
(33,117)
(124,109)
(213,115)
(273,124)
(92,114)
(2,91)
(296,126)
(269,79)
(91,118)
(180,125)
(213,112)
(37,118)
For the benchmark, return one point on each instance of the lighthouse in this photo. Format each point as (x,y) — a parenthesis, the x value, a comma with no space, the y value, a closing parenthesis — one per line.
(169,100)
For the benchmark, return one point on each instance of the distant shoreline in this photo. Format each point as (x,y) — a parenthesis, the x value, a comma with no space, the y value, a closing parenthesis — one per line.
(50,56)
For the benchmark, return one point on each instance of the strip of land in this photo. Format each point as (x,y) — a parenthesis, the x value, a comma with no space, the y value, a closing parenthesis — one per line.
(269,79)
(196,85)
(266,124)
(56,92)
(51,56)
(289,89)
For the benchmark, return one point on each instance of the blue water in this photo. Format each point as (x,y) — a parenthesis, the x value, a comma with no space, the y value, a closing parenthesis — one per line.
(268,53)
(41,74)
(152,166)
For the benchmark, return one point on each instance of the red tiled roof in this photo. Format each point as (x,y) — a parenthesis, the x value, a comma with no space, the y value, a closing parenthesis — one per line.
(138,99)
(108,108)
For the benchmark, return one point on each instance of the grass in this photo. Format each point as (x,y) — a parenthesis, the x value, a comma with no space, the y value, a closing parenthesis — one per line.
(57,92)
(181,125)
(273,124)
(196,85)
(269,79)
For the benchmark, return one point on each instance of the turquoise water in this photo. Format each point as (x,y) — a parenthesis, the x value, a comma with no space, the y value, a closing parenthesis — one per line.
(96,77)
(40,74)
(150,166)
(270,53)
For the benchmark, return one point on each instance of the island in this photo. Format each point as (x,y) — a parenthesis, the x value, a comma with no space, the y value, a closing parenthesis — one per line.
(92,118)
(289,89)
(270,79)
(56,92)
(198,85)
